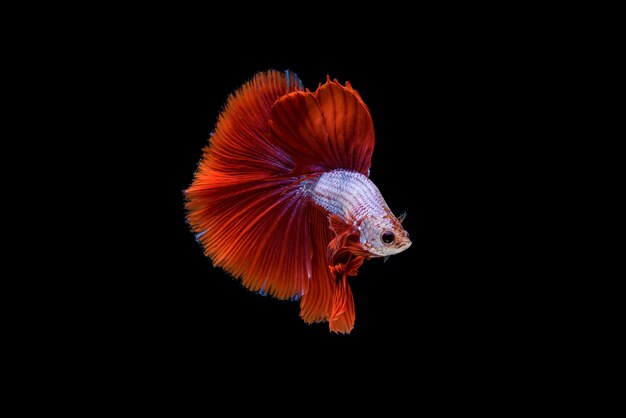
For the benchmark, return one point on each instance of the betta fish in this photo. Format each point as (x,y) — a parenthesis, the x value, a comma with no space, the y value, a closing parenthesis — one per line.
(282,198)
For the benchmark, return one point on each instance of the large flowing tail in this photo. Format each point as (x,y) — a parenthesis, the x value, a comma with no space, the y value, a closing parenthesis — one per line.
(246,204)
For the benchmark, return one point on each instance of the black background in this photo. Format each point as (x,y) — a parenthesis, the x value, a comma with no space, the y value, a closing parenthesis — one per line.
(457,106)
(440,116)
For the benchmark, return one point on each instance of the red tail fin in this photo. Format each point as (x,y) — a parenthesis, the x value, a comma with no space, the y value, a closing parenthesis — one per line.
(238,205)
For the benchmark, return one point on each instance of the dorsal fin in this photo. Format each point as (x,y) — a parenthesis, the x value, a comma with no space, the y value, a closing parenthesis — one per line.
(329,129)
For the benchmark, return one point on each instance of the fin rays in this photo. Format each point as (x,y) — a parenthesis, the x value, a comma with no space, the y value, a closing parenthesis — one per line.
(329,129)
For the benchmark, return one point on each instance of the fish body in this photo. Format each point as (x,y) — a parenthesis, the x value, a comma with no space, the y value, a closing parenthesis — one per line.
(282,198)
(356,201)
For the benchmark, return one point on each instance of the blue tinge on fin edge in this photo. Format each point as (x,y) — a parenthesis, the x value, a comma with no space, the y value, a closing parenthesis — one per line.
(199,235)
(293,77)
(295,297)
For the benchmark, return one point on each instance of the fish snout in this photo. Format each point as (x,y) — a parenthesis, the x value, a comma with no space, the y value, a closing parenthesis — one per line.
(404,241)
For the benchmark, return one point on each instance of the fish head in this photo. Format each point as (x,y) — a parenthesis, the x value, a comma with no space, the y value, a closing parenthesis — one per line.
(383,235)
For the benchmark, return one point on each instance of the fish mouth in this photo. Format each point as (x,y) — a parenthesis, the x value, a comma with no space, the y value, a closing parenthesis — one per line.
(406,241)
(400,248)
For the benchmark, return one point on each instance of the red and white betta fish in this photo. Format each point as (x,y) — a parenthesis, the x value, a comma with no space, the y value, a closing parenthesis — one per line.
(282,198)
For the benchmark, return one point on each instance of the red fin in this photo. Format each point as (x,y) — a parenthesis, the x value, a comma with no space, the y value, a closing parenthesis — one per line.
(342,317)
(342,233)
(329,129)
(343,314)
(242,206)
(316,304)
(346,239)
(331,299)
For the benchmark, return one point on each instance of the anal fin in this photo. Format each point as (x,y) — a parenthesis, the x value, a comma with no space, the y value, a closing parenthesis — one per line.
(342,315)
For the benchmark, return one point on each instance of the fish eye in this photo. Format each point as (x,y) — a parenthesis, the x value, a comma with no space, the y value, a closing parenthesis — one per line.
(387,237)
